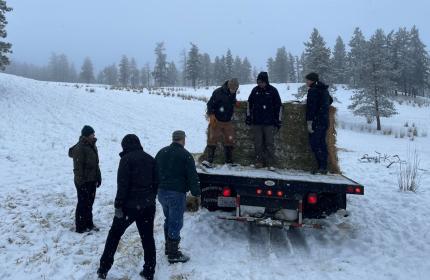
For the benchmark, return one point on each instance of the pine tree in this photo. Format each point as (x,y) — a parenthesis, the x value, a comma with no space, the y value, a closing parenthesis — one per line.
(206,69)
(291,69)
(245,75)
(356,58)
(372,97)
(398,44)
(110,75)
(317,57)
(339,61)
(237,68)
(270,66)
(5,48)
(280,66)
(219,71)
(160,69)
(193,65)
(229,65)
(172,74)
(124,71)
(184,59)
(420,63)
(134,74)
(87,72)
(146,76)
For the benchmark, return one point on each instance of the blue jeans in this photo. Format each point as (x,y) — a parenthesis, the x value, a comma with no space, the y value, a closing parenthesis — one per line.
(173,204)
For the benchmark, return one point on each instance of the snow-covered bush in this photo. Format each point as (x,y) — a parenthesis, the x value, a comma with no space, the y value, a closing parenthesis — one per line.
(408,177)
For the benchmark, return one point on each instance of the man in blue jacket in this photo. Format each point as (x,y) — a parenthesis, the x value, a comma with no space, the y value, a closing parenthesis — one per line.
(177,175)
(264,115)
(317,117)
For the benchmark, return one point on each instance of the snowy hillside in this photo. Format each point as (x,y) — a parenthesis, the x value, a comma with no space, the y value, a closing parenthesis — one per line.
(386,235)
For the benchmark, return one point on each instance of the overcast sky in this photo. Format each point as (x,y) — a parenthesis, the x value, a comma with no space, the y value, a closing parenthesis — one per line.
(106,29)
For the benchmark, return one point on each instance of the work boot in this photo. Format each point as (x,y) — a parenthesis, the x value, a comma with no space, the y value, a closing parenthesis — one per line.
(228,152)
(146,275)
(101,274)
(174,254)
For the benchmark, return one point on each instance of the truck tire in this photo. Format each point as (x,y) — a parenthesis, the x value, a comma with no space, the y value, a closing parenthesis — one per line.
(210,198)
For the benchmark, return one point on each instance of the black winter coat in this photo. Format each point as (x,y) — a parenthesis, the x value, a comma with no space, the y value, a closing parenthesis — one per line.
(137,178)
(222,104)
(264,106)
(177,170)
(318,105)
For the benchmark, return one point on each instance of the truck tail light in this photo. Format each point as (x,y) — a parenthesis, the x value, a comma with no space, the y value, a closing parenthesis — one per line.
(357,190)
(269,192)
(226,192)
(312,198)
(259,191)
(280,193)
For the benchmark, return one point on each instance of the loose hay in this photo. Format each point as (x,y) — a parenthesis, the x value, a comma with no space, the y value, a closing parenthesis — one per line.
(292,141)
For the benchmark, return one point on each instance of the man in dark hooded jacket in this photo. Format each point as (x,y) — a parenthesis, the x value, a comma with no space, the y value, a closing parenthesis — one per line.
(264,114)
(220,109)
(317,117)
(134,202)
(87,177)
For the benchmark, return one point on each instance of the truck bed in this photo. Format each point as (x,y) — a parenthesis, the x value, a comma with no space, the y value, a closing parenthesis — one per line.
(280,174)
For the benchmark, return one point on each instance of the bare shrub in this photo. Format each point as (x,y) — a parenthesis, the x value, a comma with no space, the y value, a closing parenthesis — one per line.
(408,176)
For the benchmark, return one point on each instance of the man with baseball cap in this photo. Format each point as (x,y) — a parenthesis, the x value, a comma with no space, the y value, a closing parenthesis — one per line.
(176,176)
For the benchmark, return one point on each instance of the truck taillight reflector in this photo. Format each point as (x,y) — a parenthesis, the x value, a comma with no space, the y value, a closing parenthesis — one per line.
(226,192)
(312,198)
(259,191)
(280,193)
(269,193)
(357,190)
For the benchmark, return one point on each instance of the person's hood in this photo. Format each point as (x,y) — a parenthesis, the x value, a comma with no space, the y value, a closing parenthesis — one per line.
(129,144)
(263,76)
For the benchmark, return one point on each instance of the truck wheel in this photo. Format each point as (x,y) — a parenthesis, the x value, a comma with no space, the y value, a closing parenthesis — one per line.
(210,198)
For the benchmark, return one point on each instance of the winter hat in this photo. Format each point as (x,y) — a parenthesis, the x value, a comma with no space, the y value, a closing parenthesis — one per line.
(178,135)
(87,131)
(263,76)
(312,77)
(233,83)
(131,142)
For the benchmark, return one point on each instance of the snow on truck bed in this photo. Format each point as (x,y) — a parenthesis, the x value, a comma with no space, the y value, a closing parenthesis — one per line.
(279,174)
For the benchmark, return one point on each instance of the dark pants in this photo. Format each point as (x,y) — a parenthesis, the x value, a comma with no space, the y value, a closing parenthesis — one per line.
(144,219)
(264,144)
(173,204)
(84,208)
(319,146)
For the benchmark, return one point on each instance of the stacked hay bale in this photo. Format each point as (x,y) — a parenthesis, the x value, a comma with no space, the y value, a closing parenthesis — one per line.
(292,142)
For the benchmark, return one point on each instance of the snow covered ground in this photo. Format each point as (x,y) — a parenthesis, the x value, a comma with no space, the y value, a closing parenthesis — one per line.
(386,236)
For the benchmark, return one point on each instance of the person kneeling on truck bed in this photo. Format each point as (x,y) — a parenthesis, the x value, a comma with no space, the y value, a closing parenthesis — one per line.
(264,114)
(317,117)
(220,109)
(177,175)
(134,202)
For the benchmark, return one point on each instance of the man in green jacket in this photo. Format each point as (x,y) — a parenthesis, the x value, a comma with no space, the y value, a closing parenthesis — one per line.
(87,178)
(177,175)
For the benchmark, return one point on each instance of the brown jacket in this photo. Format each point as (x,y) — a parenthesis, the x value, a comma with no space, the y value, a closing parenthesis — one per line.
(85,162)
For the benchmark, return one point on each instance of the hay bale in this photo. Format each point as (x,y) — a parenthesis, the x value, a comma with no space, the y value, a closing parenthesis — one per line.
(292,141)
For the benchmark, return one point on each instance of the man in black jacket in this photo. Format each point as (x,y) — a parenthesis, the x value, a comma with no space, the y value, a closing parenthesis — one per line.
(134,202)
(317,117)
(220,109)
(177,175)
(264,114)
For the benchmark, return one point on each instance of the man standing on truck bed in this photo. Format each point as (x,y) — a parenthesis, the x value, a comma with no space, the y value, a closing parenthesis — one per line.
(220,109)
(317,117)
(177,175)
(264,114)
(87,178)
